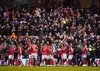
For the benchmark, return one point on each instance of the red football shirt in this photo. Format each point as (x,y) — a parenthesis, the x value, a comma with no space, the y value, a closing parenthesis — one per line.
(34,49)
(84,50)
(49,50)
(64,50)
(43,50)
(19,51)
(70,51)
(11,51)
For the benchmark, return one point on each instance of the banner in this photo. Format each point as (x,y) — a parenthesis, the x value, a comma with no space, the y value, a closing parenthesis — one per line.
(25,62)
(98,61)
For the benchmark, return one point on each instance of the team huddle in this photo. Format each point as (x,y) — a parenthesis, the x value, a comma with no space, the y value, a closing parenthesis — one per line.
(65,53)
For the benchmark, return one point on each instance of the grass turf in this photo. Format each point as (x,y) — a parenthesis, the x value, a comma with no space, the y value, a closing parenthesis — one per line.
(6,68)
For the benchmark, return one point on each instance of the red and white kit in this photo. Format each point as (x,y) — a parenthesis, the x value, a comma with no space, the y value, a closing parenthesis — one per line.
(84,51)
(19,52)
(44,52)
(11,51)
(64,52)
(70,53)
(34,50)
(49,52)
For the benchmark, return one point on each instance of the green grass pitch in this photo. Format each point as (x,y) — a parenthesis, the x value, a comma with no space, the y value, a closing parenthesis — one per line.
(6,68)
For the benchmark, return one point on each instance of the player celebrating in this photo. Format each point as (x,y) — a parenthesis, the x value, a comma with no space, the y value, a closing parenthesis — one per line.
(50,55)
(70,54)
(19,50)
(84,54)
(11,55)
(64,54)
(29,52)
(44,54)
(34,54)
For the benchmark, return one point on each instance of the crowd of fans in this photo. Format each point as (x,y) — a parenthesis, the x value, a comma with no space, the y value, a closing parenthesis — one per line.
(62,25)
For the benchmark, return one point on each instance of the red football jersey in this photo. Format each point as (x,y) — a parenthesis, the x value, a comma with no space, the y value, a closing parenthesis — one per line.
(70,51)
(19,51)
(11,51)
(64,50)
(84,50)
(43,50)
(49,50)
(34,49)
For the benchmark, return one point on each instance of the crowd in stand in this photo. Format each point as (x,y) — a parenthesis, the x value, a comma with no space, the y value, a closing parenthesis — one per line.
(62,25)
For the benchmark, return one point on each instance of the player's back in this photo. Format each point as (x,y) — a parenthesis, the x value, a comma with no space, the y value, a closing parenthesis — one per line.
(64,50)
(11,51)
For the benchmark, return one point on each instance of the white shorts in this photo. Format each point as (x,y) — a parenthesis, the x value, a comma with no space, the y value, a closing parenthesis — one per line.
(70,57)
(20,57)
(49,57)
(44,57)
(34,56)
(64,56)
(84,55)
(29,56)
(11,57)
